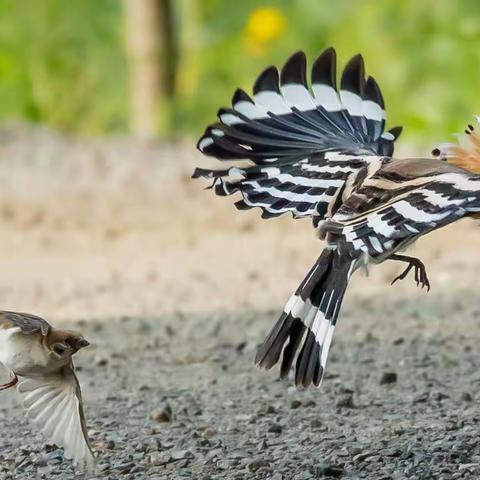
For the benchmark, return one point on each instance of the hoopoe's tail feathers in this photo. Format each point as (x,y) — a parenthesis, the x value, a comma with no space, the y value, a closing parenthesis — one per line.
(308,321)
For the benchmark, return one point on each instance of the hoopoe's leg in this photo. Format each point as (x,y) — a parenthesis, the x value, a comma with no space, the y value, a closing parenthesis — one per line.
(420,271)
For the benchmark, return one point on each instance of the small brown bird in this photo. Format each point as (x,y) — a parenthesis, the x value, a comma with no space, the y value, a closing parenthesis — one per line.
(32,349)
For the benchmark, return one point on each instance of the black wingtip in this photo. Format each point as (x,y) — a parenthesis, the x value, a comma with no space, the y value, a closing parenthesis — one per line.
(268,80)
(294,70)
(353,76)
(373,93)
(241,205)
(198,172)
(396,131)
(324,69)
(240,96)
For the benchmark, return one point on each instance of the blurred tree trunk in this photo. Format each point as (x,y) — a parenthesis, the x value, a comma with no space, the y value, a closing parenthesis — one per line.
(151,58)
(189,41)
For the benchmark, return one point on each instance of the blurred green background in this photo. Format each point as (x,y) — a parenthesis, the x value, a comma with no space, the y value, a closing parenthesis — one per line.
(67,64)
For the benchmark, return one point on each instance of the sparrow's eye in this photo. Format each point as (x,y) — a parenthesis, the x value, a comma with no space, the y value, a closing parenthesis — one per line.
(59,348)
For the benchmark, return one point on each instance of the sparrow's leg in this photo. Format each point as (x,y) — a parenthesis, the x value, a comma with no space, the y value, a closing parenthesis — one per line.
(10,384)
(420,271)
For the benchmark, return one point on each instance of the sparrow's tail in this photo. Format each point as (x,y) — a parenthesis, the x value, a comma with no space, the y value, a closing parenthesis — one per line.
(312,309)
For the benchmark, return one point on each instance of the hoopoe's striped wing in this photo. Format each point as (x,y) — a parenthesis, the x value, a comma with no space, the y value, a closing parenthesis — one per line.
(400,220)
(284,118)
(300,145)
(305,187)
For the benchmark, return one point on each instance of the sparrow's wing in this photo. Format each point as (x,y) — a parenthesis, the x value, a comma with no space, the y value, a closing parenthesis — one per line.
(300,144)
(27,322)
(54,403)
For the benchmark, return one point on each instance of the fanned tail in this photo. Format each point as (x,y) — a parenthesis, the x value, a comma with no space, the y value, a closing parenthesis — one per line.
(309,317)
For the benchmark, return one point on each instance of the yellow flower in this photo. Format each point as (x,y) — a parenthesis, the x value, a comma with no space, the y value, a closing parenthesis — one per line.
(264,25)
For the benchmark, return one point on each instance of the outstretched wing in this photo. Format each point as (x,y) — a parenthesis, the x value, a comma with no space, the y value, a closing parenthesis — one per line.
(54,403)
(300,145)
(401,216)
(27,322)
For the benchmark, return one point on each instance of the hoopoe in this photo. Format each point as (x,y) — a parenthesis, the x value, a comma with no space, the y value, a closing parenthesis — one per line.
(323,152)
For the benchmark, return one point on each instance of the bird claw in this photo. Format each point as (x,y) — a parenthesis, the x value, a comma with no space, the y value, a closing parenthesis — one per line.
(421,277)
(10,384)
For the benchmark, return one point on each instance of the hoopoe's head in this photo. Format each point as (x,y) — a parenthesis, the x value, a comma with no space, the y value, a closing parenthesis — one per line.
(464,154)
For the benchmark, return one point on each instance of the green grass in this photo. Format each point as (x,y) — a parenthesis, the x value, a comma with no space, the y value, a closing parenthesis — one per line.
(62,63)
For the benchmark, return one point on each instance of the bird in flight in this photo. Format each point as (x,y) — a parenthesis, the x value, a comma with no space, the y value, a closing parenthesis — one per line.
(322,151)
(30,348)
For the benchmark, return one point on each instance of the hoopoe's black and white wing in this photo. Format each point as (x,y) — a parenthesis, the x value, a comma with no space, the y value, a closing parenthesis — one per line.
(391,210)
(300,144)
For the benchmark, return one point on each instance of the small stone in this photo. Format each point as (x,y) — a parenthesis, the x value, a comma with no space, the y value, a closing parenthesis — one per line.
(276,476)
(388,377)
(295,404)
(209,432)
(439,396)
(124,467)
(467,397)
(159,458)
(212,454)
(106,445)
(181,454)
(345,401)
(254,465)
(275,428)
(361,457)
(54,457)
(334,471)
(162,414)
(101,361)
(422,398)
(316,423)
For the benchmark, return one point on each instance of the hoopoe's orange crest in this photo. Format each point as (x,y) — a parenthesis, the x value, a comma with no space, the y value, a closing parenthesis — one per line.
(465,155)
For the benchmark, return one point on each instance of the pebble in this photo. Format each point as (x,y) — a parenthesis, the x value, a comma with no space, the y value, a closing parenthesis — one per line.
(159,458)
(388,377)
(345,401)
(467,397)
(327,470)
(181,454)
(162,414)
(258,463)
(275,428)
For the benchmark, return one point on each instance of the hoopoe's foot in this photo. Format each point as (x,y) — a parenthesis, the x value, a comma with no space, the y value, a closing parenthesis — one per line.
(10,384)
(420,271)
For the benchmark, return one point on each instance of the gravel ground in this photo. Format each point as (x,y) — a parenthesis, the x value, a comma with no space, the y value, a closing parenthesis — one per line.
(175,289)
(178,397)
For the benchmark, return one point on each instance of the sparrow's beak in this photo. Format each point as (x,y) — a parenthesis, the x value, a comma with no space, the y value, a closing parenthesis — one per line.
(82,343)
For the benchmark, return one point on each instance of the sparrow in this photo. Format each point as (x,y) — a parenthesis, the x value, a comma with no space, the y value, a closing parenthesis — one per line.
(320,150)
(39,359)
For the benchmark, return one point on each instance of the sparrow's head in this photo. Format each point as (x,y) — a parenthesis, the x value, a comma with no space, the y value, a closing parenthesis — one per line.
(63,344)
